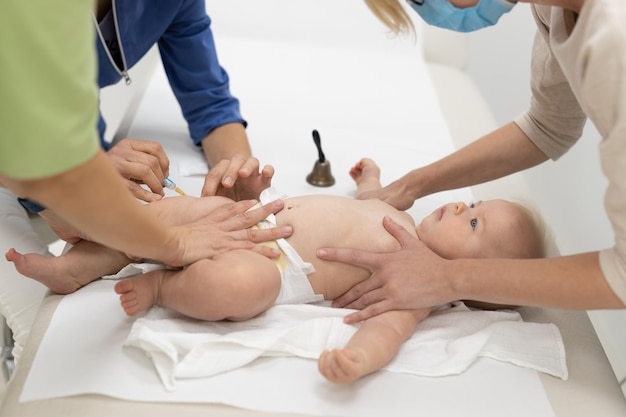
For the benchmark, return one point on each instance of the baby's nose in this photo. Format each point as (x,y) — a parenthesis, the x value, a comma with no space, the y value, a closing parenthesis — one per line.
(460,207)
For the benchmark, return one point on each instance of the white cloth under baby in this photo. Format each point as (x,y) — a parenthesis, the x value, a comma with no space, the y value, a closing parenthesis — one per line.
(446,343)
(131,270)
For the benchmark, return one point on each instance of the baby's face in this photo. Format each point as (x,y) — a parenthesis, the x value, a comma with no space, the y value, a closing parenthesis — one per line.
(457,230)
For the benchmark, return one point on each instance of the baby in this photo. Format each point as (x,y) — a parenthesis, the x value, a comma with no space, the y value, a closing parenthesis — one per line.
(240,284)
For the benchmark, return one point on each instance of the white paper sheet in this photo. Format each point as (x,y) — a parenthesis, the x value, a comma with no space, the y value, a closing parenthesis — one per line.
(82,353)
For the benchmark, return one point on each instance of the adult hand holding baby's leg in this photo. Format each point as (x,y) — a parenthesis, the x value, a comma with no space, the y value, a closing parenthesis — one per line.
(227,228)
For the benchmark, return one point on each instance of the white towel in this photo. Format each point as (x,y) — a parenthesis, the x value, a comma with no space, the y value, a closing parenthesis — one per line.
(131,270)
(445,343)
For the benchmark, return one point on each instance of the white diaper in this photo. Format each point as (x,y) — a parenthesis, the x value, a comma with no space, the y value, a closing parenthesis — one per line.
(295,287)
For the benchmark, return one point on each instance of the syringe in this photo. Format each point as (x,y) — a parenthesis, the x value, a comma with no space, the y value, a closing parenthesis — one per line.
(168,183)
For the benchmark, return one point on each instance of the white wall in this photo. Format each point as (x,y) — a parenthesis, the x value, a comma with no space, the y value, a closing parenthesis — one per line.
(570,191)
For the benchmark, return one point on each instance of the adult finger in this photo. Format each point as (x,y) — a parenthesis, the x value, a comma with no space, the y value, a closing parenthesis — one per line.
(266,177)
(149,147)
(213,180)
(368,312)
(398,232)
(141,193)
(139,167)
(268,172)
(360,295)
(240,240)
(266,235)
(145,152)
(356,257)
(231,173)
(145,174)
(226,216)
(267,251)
(251,217)
(248,167)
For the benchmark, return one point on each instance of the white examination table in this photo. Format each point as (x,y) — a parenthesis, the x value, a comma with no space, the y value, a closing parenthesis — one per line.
(591,388)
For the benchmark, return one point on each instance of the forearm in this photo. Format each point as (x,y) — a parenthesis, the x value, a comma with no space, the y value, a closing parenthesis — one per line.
(92,198)
(499,153)
(368,184)
(380,337)
(225,142)
(570,282)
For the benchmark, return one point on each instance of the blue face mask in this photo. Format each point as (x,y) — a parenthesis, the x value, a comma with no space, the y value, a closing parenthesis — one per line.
(443,14)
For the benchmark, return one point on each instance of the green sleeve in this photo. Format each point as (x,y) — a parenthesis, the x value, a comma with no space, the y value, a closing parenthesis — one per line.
(48,92)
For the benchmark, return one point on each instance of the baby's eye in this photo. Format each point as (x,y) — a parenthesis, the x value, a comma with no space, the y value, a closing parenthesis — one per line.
(474,223)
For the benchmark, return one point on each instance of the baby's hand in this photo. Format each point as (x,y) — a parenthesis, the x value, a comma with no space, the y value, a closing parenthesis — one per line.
(356,171)
(342,366)
(365,169)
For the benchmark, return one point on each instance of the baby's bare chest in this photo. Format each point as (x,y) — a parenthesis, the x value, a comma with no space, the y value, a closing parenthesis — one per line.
(340,222)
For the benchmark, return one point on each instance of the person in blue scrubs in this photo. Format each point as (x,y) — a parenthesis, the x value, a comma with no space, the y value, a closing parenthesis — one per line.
(126,31)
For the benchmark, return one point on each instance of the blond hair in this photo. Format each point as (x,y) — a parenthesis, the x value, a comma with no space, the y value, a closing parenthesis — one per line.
(392,14)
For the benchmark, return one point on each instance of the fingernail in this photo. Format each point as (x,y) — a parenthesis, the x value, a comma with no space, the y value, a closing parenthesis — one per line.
(227,181)
(276,252)
(287,229)
(244,171)
(322,252)
(278,203)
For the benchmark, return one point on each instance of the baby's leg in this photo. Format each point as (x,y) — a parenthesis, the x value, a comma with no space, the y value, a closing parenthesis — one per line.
(235,285)
(366,174)
(375,344)
(84,262)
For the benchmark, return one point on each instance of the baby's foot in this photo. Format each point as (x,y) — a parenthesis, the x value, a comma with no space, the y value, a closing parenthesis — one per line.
(52,272)
(365,169)
(342,366)
(139,293)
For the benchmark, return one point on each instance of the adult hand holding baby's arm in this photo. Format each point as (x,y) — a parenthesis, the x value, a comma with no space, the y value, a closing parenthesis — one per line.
(409,278)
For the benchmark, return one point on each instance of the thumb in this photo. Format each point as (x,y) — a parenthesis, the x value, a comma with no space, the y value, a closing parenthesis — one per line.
(398,232)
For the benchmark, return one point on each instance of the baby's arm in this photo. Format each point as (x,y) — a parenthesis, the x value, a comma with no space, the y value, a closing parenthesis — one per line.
(375,344)
(366,174)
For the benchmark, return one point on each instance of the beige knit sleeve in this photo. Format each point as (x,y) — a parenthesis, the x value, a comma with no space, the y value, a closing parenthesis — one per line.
(554,121)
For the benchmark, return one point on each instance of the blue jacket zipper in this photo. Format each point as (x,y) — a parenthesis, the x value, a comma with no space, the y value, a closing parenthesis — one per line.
(122,71)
